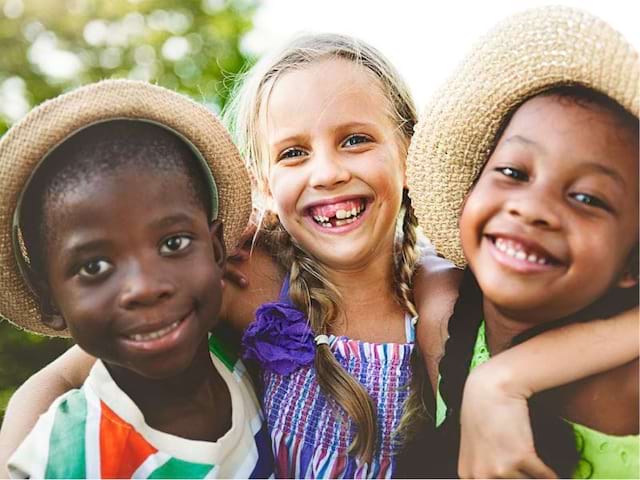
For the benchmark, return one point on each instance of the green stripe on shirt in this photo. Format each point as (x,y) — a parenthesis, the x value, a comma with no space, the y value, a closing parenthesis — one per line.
(67,441)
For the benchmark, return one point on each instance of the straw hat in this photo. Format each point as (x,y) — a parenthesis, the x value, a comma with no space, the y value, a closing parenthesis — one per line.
(522,56)
(45,127)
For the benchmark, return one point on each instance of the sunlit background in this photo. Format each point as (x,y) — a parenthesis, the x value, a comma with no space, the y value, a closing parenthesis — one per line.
(197,47)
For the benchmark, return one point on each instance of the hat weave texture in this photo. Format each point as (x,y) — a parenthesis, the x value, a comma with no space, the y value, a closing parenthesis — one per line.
(522,56)
(42,129)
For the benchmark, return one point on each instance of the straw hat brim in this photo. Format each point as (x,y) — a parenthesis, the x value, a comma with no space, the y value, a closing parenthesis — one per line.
(46,126)
(522,56)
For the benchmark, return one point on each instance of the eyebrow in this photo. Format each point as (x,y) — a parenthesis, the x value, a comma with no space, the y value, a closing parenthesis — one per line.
(525,141)
(594,166)
(609,172)
(78,247)
(170,220)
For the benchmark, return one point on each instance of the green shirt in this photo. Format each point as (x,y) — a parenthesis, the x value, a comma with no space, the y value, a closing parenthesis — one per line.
(601,455)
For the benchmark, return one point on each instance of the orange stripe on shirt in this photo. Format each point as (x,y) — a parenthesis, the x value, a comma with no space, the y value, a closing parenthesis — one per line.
(122,449)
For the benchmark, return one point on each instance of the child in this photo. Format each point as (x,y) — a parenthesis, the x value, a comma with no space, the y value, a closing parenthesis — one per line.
(325,124)
(549,228)
(117,241)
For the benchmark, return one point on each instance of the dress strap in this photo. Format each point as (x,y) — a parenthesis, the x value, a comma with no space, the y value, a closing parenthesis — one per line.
(410,327)
(284,291)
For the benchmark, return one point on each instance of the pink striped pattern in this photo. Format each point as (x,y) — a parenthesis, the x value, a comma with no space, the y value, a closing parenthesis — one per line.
(311,435)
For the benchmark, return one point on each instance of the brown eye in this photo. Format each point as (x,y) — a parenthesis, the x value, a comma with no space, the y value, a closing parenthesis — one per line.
(175,244)
(94,268)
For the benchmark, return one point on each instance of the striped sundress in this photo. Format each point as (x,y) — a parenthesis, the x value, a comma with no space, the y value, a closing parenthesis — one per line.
(310,437)
(98,432)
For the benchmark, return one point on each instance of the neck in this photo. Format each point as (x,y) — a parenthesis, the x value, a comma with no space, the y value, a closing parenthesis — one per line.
(184,384)
(502,326)
(367,296)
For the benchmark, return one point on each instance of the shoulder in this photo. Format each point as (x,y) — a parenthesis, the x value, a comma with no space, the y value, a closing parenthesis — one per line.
(53,440)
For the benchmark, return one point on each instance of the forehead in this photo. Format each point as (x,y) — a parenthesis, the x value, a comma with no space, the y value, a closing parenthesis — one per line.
(324,93)
(96,198)
(578,132)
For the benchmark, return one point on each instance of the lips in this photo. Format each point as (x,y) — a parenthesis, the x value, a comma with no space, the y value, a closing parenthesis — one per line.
(149,333)
(337,213)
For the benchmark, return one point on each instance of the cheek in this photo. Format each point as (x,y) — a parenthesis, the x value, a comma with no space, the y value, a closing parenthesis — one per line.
(284,190)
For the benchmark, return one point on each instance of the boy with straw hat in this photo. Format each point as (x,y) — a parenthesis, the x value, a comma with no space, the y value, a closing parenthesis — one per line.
(112,202)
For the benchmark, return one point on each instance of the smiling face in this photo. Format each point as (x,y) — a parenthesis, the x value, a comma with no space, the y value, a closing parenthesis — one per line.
(135,269)
(553,218)
(336,162)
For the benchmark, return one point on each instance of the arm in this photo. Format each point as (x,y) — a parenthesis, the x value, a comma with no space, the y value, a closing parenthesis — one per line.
(499,390)
(435,290)
(36,394)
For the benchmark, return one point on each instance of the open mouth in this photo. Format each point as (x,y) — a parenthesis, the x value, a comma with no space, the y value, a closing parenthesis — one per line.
(154,335)
(338,214)
(524,253)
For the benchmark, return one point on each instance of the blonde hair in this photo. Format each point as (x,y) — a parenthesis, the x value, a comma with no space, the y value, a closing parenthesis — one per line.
(310,289)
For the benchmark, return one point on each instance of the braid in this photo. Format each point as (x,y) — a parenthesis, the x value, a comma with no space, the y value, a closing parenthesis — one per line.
(415,410)
(454,369)
(407,259)
(311,292)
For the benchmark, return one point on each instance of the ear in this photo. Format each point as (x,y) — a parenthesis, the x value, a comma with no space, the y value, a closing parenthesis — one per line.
(217,241)
(51,315)
(54,321)
(629,276)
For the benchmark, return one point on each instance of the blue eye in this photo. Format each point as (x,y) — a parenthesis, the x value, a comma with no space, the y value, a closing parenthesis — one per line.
(513,173)
(590,200)
(175,244)
(292,152)
(355,139)
(94,268)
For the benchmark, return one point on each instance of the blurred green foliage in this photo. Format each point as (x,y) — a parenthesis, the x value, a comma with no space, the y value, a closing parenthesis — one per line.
(50,46)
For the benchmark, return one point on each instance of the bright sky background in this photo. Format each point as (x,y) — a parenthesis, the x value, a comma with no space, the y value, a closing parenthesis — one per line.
(425,40)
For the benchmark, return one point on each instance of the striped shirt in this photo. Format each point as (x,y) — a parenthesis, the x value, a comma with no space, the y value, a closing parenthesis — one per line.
(98,432)
(311,435)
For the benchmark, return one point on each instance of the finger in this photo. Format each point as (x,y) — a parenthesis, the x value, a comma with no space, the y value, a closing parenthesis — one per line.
(536,468)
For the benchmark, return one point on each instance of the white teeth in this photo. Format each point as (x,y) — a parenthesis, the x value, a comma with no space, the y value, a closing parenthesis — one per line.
(143,337)
(515,250)
(341,216)
(339,223)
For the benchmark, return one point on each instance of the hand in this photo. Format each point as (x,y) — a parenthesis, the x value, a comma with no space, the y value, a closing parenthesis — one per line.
(238,256)
(496,440)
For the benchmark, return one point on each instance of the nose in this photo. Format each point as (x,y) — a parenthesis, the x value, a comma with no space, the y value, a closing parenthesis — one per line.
(328,169)
(144,285)
(535,206)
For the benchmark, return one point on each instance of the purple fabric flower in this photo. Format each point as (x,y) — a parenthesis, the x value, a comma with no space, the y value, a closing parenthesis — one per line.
(279,339)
